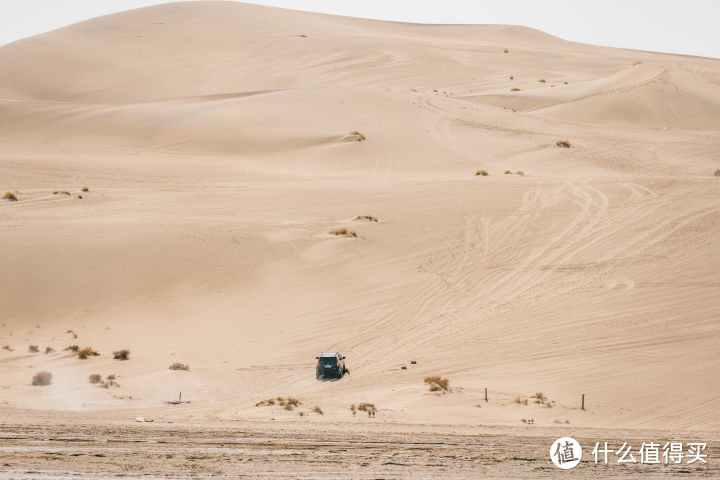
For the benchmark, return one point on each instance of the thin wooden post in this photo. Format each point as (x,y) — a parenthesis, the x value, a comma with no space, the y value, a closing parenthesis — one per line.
(583,401)
(180,398)
(486,394)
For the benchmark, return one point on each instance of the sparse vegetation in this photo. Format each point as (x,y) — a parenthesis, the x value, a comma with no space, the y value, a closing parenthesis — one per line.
(505,51)
(437,383)
(512,77)
(483,173)
(353,409)
(318,410)
(507,172)
(8,348)
(62,192)
(41,379)
(563,143)
(717,172)
(514,89)
(357,136)
(95,378)
(528,421)
(123,354)
(542,80)
(85,189)
(288,403)
(520,172)
(365,406)
(541,399)
(10,196)
(365,218)
(179,366)
(343,232)
(521,401)
(87,352)
(33,349)
(49,349)
(72,348)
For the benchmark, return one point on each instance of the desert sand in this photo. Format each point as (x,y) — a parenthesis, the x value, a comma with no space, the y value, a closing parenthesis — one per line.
(216,143)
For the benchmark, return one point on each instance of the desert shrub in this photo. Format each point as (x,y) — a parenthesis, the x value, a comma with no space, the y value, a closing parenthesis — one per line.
(514,89)
(33,349)
(179,366)
(86,353)
(565,83)
(437,383)
(511,77)
(353,409)
(357,136)
(542,80)
(112,376)
(521,401)
(41,379)
(343,232)
(79,197)
(49,349)
(365,406)
(507,172)
(8,348)
(505,51)
(318,410)
(85,189)
(563,143)
(717,173)
(10,196)
(293,401)
(72,348)
(95,378)
(520,172)
(484,173)
(123,354)
(366,218)
(62,192)
(265,403)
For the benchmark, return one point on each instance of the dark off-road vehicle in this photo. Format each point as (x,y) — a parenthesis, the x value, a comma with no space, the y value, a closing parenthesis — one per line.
(330,365)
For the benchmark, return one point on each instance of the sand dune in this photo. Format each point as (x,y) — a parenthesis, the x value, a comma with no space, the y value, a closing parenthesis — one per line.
(215,141)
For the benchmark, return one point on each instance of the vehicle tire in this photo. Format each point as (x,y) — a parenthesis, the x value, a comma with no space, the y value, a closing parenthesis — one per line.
(340,373)
(318,376)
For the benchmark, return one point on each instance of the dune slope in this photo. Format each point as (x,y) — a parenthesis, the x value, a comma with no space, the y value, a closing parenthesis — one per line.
(221,142)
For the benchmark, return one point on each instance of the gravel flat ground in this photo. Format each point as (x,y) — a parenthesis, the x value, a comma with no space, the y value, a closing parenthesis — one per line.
(96,451)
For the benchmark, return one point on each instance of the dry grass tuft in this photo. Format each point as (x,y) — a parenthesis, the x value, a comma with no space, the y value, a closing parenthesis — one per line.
(8,348)
(49,349)
(123,354)
(514,89)
(343,232)
(357,136)
(365,406)
(318,410)
(95,378)
(520,172)
(179,366)
(521,401)
(483,173)
(542,80)
(41,379)
(72,348)
(33,349)
(265,403)
(62,192)
(87,352)
(10,196)
(365,218)
(563,143)
(507,172)
(437,383)
(85,189)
